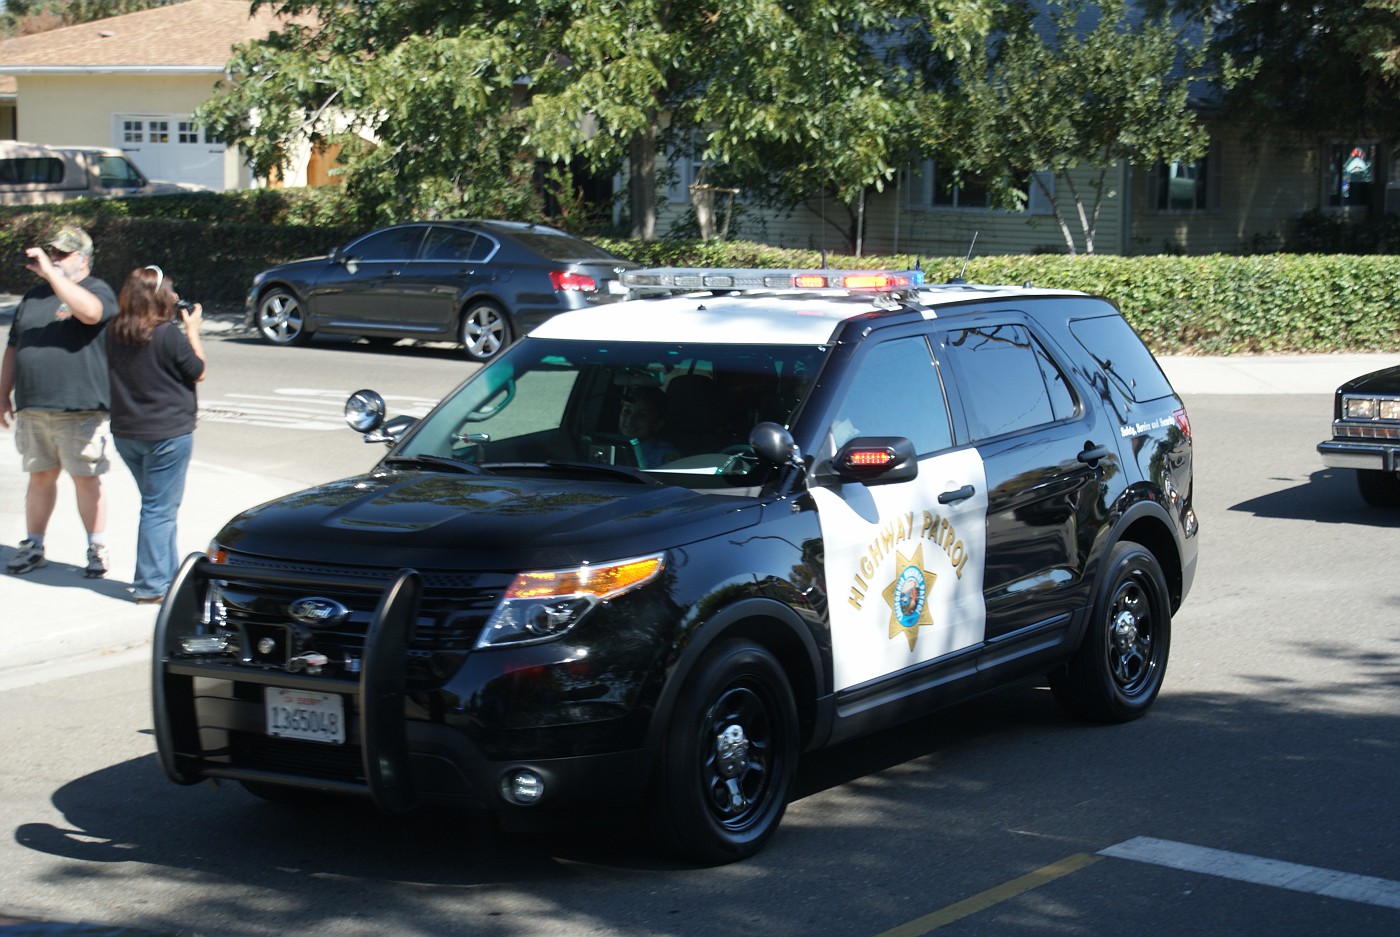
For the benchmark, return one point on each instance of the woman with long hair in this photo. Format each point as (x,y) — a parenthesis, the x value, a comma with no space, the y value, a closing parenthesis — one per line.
(154,367)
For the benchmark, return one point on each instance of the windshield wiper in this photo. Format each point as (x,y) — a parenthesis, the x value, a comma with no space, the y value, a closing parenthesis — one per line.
(439,461)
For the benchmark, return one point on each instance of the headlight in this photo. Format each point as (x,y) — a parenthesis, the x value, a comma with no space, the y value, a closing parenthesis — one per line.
(543,604)
(1360,408)
(1390,409)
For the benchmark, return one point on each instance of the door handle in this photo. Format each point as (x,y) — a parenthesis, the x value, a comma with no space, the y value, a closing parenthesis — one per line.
(961,494)
(1092,454)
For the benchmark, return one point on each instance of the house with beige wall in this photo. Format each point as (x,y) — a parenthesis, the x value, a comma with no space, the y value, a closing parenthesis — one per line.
(133,82)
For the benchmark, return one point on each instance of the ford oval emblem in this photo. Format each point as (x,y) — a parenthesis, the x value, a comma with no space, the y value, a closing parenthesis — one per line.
(317,611)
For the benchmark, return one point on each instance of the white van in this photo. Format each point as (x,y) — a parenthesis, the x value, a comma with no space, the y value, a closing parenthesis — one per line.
(32,174)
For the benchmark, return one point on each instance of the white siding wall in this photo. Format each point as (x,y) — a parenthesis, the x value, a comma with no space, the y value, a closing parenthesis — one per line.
(892,226)
(77,110)
(1263,188)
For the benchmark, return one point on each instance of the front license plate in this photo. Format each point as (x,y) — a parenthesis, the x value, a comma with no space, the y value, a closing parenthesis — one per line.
(302,714)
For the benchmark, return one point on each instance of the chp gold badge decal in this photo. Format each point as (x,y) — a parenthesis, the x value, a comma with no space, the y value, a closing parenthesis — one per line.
(908,596)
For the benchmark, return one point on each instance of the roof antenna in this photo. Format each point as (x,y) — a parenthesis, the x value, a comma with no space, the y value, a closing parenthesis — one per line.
(959,277)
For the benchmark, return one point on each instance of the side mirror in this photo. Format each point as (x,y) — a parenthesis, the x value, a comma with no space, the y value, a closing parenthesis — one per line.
(875,460)
(775,444)
(337,255)
(364,411)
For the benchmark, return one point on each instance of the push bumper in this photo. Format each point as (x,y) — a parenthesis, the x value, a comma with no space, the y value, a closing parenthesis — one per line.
(1360,454)
(209,719)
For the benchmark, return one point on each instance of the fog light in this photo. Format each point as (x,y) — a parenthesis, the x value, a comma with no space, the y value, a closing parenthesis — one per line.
(204,643)
(523,787)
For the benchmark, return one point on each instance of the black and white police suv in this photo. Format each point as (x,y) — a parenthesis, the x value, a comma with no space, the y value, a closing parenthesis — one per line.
(658,549)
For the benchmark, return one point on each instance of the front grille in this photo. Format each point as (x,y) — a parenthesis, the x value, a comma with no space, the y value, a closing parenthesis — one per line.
(1365,430)
(453,608)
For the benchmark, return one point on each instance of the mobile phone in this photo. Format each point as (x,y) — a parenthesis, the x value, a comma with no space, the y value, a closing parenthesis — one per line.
(183,305)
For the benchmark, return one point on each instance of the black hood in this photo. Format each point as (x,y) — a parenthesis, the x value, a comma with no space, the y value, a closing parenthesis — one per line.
(1383,382)
(430,520)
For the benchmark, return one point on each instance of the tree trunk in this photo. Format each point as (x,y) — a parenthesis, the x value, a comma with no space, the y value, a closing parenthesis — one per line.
(641,194)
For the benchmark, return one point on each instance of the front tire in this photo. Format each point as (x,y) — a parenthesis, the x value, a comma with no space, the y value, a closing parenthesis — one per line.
(485,331)
(726,768)
(281,319)
(1118,669)
(1378,489)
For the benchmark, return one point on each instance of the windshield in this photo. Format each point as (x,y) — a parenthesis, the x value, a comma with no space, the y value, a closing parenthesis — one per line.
(679,412)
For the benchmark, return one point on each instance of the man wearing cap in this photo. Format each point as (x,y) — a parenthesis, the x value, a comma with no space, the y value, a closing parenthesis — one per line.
(55,365)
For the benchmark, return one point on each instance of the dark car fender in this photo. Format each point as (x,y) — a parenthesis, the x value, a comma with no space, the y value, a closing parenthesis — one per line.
(773,626)
(1145,519)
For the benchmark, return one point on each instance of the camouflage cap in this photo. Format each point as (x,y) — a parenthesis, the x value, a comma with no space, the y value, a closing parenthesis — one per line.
(72,239)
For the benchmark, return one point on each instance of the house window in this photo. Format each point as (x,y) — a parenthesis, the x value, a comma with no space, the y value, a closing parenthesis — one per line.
(186,132)
(932,189)
(1185,185)
(1350,175)
(133,131)
(160,131)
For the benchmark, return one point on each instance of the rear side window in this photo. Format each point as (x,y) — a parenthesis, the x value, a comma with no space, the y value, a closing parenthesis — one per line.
(31,170)
(1007,381)
(454,245)
(1122,357)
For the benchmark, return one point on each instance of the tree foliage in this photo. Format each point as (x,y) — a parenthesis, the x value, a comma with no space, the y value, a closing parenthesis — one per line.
(1319,68)
(1070,84)
(446,107)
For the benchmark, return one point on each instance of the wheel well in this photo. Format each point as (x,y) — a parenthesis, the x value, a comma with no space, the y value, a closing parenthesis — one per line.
(1155,537)
(778,639)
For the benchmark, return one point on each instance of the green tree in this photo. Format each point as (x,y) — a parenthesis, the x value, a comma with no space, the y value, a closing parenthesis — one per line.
(1319,68)
(1081,84)
(461,99)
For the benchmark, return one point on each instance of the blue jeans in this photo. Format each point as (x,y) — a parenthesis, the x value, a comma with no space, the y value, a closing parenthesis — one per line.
(159,469)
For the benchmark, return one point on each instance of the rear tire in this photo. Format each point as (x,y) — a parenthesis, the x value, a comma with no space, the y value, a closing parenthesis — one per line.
(1117,671)
(727,764)
(1378,489)
(485,331)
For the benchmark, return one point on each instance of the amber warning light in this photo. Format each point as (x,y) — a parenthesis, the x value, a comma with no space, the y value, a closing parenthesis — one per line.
(869,458)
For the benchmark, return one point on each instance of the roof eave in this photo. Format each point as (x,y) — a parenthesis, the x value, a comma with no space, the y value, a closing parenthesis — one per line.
(111,69)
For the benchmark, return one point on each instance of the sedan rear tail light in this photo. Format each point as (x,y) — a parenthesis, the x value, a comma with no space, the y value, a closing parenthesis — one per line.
(578,282)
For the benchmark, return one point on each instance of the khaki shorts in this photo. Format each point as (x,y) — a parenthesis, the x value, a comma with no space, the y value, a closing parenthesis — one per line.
(47,439)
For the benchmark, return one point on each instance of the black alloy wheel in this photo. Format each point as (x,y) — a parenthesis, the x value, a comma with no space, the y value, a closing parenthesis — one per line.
(1118,669)
(727,766)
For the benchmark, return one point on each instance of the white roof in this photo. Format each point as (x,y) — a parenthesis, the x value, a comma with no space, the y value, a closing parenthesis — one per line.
(765,318)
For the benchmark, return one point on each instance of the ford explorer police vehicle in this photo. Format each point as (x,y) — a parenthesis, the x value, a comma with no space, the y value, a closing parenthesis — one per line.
(855,498)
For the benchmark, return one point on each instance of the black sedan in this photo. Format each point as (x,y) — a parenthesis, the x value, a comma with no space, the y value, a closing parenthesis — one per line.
(1366,435)
(481,283)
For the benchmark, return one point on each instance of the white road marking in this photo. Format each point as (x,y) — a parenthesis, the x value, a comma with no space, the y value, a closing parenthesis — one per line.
(1260,871)
(300,408)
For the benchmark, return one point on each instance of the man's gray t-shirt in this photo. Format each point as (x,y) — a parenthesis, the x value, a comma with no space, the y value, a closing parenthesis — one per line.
(61,363)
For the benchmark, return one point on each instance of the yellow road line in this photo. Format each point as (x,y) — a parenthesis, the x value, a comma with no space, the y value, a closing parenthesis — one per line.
(992,896)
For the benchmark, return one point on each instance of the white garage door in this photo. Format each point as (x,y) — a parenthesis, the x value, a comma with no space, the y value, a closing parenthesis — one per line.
(170,148)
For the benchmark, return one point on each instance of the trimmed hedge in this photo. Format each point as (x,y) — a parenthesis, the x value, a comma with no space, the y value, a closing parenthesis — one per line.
(213,245)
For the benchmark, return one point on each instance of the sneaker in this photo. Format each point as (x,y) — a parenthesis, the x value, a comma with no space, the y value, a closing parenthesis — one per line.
(29,555)
(96,562)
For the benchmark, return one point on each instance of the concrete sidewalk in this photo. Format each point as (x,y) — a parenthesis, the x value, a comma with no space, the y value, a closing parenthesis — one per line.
(54,622)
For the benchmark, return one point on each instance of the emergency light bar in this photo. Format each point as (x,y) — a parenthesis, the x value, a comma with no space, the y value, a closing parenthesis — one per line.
(733,279)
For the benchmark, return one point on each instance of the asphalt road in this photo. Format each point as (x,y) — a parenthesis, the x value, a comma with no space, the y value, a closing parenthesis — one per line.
(1259,796)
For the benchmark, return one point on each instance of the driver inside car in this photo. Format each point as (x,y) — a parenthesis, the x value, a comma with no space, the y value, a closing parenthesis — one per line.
(641,418)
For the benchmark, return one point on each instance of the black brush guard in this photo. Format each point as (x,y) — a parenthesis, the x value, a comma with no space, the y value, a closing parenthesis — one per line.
(379,689)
